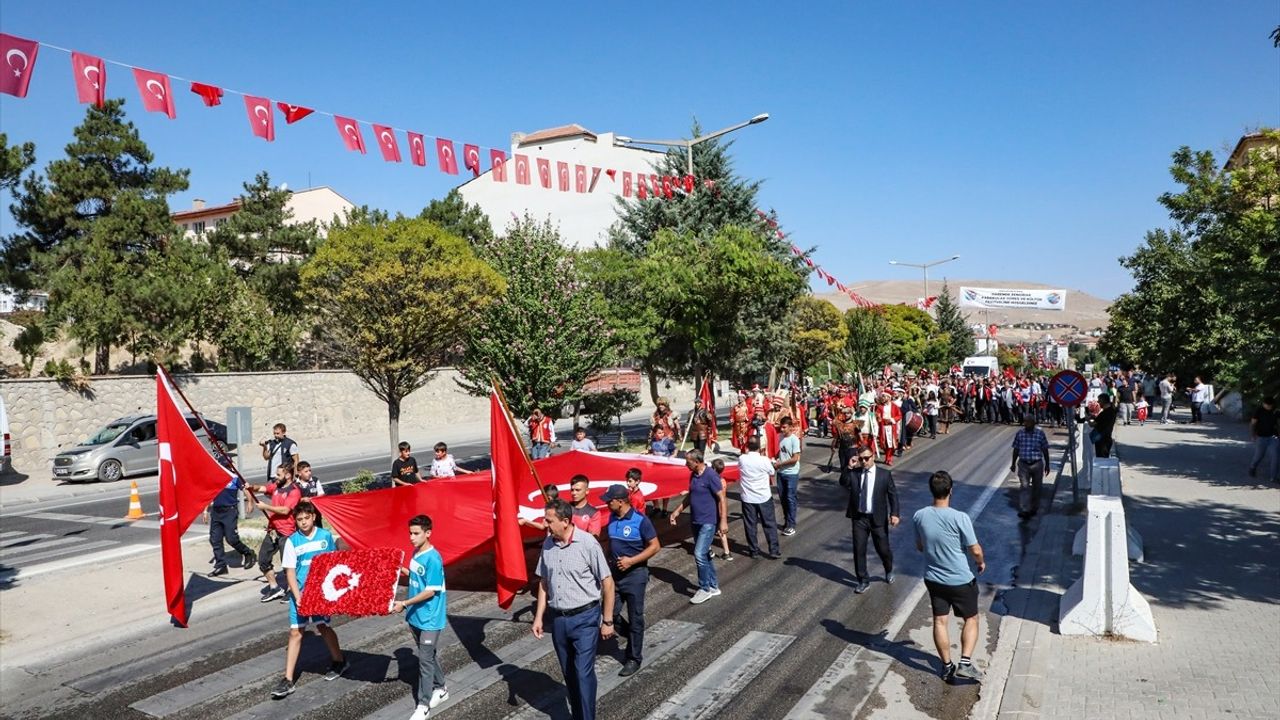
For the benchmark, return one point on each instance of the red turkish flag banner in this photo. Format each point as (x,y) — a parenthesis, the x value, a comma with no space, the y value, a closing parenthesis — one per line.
(91,78)
(417,150)
(471,159)
(498,161)
(831,280)
(688,184)
(387,143)
(350,131)
(709,404)
(446,156)
(626,184)
(189,479)
(262,121)
(666,187)
(358,583)
(655,185)
(642,187)
(210,94)
(544,172)
(562,172)
(19,62)
(512,471)
(522,169)
(293,113)
(610,172)
(580,178)
(155,92)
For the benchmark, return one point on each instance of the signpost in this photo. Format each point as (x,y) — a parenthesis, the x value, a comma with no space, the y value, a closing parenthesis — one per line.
(1069,388)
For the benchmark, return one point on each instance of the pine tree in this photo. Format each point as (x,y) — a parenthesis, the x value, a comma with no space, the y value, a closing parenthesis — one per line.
(955,324)
(452,214)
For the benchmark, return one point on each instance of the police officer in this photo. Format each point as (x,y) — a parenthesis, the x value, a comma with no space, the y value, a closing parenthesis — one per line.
(632,541)
(573,582)
(222,516)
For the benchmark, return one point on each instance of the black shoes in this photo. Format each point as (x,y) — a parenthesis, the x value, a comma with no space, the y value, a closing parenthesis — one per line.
(888,577)
(270,594)
(629,668)
(336,669)
(219,570)
(861,587)
(283,689)
(249,561)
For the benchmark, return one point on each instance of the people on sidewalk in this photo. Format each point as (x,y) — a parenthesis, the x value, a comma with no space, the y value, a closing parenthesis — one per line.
(581,442)
(279,450)
(443,465)
(283,496)
(404,469)
(632,541)
(708,517)
(1200,394)
(1104,424)
(1031,461)
(1262,428)
(1167,391)
(424,609)
(542,434)
(873,509)
(944,534)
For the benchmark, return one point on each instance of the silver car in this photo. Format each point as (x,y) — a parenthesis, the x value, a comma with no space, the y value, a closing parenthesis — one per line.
(125,446)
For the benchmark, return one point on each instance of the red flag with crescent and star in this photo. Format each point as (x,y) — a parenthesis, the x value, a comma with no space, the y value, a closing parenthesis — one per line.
(512,472)
(19,61)
(498,161)
(155,92)
(210,95)
(91,78)
(293,113)
(417,149)
(357,583)
(562,172)
(642,187)
(471,159)
(261,120)
(580,178)
(544,172)
(350,131)
(446,156)
(522,169)
(626,184)
(387,143)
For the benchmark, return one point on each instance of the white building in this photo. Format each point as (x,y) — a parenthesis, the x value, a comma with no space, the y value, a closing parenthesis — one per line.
(321,204)
(583,217)
(35,300)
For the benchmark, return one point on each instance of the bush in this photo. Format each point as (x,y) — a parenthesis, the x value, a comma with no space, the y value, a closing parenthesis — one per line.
(604,408)
(359,483)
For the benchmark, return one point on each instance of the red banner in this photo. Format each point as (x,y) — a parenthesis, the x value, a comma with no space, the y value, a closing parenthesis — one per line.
(562,172)
(91,78)
(350,131)
(387,143)
(498,161)
(544,172)
(293,113)
(446,157)
(19,60)
(262,122)
(155,92)
(522,169)
(511,471)
(417,150)
(471,159)
(352,582)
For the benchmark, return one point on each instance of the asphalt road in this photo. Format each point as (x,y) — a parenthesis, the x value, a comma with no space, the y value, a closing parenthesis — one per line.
(773,644)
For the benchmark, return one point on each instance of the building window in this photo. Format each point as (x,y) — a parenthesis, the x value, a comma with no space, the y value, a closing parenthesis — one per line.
(198,227)
(218,223)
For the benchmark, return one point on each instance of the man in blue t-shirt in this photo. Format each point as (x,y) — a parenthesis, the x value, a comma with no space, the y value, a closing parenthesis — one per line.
(943,534)
(300,548)
(222,515)
(632,541)
(709,519)
(424,610)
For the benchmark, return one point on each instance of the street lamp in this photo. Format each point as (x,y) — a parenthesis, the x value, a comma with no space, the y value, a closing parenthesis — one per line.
(925,267)
(688,144)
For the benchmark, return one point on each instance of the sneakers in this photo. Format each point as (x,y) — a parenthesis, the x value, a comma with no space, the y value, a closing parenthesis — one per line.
(336,669)
(862,587)
(969,671)
(949,671)
(714,591)
(421,713)
(438,696)
(629,668)
(249,561)
(788,531)
(284,688)
(219,570)
(700,597)
(888,578)
(269,594)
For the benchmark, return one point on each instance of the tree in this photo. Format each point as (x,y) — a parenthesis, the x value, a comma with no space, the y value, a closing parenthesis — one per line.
(92,225)
(818,332)
(548,335)
(956,326)
(456,217)
(14,160)
(394,300)
(912,334)
(866,347)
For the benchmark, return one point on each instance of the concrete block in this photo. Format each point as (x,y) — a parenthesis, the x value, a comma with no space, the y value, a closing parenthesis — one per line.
(1102,601)
(1106,481)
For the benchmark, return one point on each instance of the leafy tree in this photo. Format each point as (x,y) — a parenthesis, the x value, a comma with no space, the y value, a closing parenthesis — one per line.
(455,216)
(14,160)
(393,299)
(867,345)
(818,332)
(956,326)
(630,313)
(547,336)
(91,227)
(911,332)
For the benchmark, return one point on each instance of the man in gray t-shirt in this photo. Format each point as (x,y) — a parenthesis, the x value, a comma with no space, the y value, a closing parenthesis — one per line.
(944,534)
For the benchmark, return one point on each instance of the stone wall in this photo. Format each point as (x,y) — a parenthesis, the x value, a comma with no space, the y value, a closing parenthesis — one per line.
(44,416)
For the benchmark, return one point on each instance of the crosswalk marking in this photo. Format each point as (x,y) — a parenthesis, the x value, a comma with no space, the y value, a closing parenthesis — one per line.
(11,533)
(840,690)
(44,554)
(719,682)
(83,519)
(41,545)
(34,537)
(662,641)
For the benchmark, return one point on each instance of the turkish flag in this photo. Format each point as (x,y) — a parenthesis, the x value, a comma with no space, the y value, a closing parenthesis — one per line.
(19,58)
(293,113)
(446,156)
(352,582)
(511,472)
(262,121)
(189,480)
(154,89)
(611,173)
(210,94)
(709,404)
(91,78)
(595,178)
(498,161)
(544,172)
(562,172)
(522,169)
(580,178)
(387,143)
(688,184)
(471,159)
(666,187)
(417,150)
(626,184)
(655,185)
(831,280)
(642,187)
(350,131)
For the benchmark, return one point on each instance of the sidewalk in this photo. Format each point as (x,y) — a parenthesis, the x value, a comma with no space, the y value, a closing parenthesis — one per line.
(1210,576)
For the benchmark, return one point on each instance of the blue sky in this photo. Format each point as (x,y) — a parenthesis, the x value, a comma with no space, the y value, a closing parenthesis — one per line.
(1030,138)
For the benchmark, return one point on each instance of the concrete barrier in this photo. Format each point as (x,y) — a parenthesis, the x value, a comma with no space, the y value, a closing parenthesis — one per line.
(1102,601)
(1105,481)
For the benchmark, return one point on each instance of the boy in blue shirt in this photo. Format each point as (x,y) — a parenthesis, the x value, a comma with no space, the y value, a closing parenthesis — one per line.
(424,610)
(300,549)
(662,445)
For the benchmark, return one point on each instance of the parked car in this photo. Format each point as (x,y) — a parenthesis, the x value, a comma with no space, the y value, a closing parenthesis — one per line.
(125,446)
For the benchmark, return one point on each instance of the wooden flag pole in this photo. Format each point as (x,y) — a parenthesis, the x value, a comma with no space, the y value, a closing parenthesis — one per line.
(511,424)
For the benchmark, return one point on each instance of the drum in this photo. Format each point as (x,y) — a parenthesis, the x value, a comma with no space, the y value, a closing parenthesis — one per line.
(915,422)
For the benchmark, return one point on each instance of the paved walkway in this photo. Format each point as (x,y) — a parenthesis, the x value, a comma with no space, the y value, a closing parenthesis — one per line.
(1210,574)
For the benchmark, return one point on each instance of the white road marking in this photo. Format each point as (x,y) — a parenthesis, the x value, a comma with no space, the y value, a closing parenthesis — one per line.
(724,678)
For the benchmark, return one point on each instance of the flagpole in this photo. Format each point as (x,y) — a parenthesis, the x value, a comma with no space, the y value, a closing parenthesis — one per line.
(697,395)
(511,423)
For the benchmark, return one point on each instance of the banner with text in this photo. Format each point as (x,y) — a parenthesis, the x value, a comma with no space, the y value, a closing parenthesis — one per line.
(1013,298)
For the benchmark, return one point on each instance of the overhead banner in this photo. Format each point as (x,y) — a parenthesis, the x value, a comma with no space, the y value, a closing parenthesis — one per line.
(1013,298)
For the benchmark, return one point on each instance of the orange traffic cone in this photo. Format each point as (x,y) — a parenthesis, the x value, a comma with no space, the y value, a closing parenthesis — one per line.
(135,503)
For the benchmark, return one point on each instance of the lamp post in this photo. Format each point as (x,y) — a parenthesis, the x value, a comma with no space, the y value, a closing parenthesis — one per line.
(688,144)
(925,267)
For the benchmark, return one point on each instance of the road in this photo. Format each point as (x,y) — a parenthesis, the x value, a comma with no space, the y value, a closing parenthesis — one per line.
(787,639)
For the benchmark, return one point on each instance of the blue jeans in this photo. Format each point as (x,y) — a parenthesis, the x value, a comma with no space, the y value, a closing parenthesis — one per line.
(703,536)
(575,639)
(540,450)
(629,590)
(1263,445)
(787,486)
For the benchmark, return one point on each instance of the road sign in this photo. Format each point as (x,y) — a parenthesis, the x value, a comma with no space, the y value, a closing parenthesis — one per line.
(1068,388)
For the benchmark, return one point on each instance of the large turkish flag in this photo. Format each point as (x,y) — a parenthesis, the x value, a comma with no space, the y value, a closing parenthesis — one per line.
(353,582)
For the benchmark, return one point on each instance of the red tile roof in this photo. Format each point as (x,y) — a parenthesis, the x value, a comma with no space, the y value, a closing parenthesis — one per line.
(556,133)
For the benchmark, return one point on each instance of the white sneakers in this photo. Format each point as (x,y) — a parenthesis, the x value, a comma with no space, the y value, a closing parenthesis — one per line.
(421,713)
(704,595)
(438,696)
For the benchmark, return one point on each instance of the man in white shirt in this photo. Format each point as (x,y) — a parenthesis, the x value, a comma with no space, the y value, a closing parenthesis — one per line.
(1199,395)
(755,476)
(1167,391)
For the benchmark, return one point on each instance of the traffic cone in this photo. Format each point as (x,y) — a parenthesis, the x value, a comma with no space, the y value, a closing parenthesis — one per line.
(135,503)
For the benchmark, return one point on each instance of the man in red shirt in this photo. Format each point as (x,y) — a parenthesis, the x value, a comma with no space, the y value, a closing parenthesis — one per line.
(284,496)
(585,517)
(542,434)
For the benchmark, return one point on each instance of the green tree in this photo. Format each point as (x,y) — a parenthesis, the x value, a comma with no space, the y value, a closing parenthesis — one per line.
(394,300)
(911,332)
(867,345)
(818,332)
(455,216)
(548,335)
(956,326)
(630,313)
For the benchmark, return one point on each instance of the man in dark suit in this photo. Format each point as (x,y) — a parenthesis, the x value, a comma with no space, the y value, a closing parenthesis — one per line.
(873,508)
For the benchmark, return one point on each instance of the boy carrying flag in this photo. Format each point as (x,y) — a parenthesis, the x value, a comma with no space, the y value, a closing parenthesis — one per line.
(424,610)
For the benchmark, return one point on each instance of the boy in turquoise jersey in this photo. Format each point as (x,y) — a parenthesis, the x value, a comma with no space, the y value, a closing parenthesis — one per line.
(424,610)
(300,549)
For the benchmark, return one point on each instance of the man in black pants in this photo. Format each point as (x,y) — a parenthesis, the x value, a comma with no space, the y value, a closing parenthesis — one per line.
(222,516)
(873,507)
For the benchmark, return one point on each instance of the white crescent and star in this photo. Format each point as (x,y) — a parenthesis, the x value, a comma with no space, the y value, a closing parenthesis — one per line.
(91,69)
(264,114)
(386,135)
(350,129)
(330,590)
(158,90)
(26,62)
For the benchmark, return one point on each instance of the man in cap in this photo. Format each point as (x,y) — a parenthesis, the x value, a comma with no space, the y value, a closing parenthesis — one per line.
(632,541)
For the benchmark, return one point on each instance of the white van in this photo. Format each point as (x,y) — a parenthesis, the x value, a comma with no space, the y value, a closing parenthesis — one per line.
(6,459)
(981,365)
